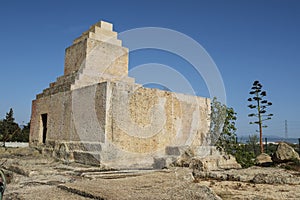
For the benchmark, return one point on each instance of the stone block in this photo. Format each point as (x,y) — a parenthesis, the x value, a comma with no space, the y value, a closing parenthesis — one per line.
(84,146)
(87,158)
(163,162)
(176,150)
(105,25)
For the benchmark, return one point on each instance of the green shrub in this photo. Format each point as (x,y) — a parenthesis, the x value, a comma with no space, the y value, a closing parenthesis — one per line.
(243,157)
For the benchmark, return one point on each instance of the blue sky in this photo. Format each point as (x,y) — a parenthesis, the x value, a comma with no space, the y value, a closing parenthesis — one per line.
(248,40)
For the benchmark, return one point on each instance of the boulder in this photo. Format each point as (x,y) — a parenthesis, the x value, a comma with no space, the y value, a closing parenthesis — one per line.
(285,153)
(263,160)
(210,163)
(206,158)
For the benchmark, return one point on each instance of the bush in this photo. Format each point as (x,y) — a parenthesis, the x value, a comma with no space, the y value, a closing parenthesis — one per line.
(243,157)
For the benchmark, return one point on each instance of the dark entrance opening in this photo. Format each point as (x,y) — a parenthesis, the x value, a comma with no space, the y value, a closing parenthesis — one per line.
(44,122)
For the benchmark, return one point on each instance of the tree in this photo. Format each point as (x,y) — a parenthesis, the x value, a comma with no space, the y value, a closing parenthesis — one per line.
(8,127)
(23,135)
(217,118)
(223,132)
(227,138)
(259,104)
(223,127)
(252,144)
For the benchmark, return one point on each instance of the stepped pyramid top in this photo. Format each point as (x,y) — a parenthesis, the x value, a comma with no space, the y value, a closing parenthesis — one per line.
(94,57)
(101,31)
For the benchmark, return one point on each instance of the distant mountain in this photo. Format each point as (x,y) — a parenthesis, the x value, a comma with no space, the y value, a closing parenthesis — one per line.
(270,138)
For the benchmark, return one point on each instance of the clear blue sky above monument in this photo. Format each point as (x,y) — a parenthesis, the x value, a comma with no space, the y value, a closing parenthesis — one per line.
(248,40)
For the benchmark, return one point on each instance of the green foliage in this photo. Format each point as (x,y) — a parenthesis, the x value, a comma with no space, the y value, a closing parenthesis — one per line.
(227,138)
(217,117)
(260,105)
(246,153)
(223,132)
(271,148)
(252,145)
(244,157)
(23,136)
(10,130)
(8,127)
(222,128)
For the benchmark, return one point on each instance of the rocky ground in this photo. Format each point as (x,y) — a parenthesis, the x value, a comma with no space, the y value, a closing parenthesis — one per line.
(33,176)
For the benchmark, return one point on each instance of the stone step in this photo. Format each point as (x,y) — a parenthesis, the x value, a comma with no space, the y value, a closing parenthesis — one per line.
(115,174)
(86,80)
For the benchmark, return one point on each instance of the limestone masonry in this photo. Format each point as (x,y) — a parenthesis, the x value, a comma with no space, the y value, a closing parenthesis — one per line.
(95,114)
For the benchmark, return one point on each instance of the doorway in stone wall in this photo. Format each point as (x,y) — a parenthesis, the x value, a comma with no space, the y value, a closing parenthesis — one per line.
(44,124)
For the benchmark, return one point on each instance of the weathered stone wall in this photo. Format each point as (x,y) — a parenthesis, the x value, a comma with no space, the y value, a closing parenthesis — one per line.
(74,57)
(69,112)
(144,120)
(97,115)
(104,61)
(58,110)
(77,55)
(132,124)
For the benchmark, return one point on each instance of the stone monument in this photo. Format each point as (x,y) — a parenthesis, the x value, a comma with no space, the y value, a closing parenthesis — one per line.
(95,114)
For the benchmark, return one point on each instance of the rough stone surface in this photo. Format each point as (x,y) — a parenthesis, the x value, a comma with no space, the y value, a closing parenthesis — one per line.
(210,163)
(163,162)
(87,158)
(185,158)
(35,176)
(285,153)
(178,151)
(211,160)
(96,109)
(253,175)
(263,160)
(39,177)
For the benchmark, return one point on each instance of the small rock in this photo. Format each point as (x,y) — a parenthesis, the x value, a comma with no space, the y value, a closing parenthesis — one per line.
(264,160)
(285,153)
(228,162)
